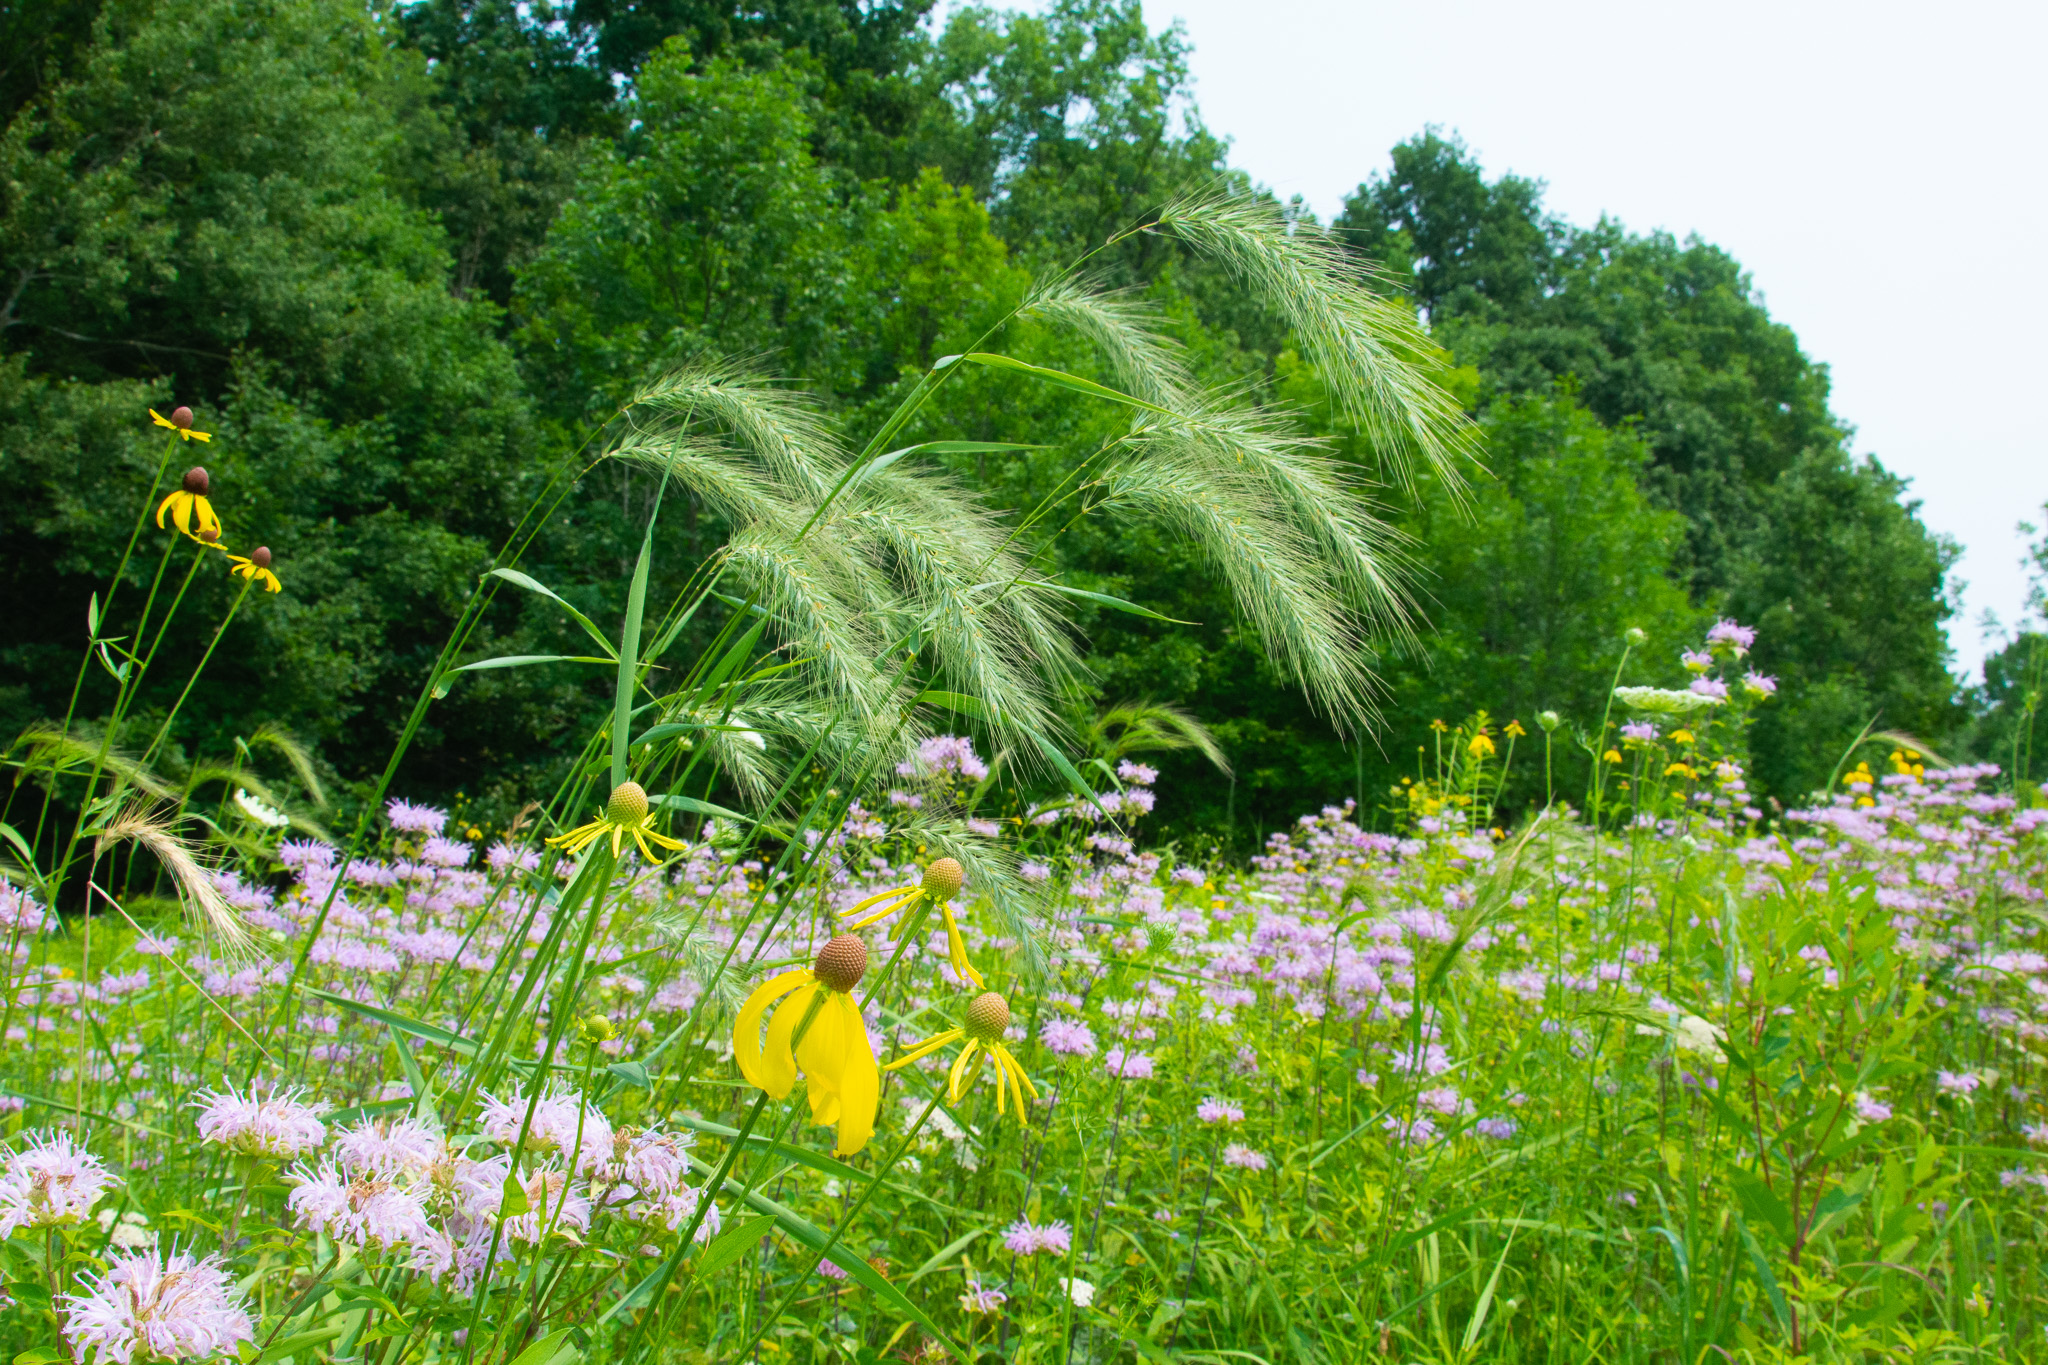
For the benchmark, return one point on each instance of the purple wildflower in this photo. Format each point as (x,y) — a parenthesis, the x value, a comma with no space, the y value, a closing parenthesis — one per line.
(1243,1157)
(156,1309)
(407,818)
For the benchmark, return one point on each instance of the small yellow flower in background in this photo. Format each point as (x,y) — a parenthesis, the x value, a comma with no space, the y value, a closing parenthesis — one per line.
(988,1015)
(834,1053)
(942,880)
(1438,726)
(1480,747)
(256,568)
(189,508)
(1683,770)
(626,815)
(1612,756)
(1514,730)
(1681,736)
(180,421)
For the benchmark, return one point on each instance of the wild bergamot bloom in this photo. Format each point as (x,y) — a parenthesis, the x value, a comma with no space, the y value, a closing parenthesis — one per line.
(833,1053)
(626,815)
(189,508)
(988,1014)
(180,421)
(942,879)
(256,568)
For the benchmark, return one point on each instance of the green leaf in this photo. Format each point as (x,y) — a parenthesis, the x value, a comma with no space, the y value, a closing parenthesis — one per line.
(732,1244)
(402,1023)
(667,730)
(522,660)
(422,1093)
(953,701)
(92,617)
(512,1197)
(1103,598)
(1065,768)
(39,1355)
(292,1345)
(697,807)
(1762,1203)
(802,1230)
(632,1073)
(944,1255)
(629,641)
(1065,381)
(534,585)
(543,1351)
(882,462)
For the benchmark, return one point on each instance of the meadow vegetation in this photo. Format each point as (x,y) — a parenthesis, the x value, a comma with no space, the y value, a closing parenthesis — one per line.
(656,861)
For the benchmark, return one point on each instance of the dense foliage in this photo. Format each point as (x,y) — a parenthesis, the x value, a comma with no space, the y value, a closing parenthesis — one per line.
(405,262)
(1645,1088)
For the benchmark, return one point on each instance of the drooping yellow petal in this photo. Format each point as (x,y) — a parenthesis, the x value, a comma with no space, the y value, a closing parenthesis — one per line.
(860,1088)
(1018,1068)
(966,1069)
(1008,1070)
(208,521)
(956,949)
(821,1056)
(927,1047)
(775,1070)
(162,420)
(169,504)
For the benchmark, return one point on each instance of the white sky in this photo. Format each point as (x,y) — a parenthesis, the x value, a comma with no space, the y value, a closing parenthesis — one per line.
(1876,167)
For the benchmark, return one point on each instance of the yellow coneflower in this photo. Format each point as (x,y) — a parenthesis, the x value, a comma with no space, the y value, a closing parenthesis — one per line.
(626,815)
(256,568)
(988,1015)
(1513,730)
(189,508)
(180,421)
(942,881)
(1481,746)
(834,1054)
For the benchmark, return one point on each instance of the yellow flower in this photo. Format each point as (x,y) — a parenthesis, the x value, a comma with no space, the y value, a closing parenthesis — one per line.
(942,879)
(834,1054)
(189,508)
(1682,770)
(1681,736)
(626,815)
(180,421)
(1612,756)
(988,1015)
(256,568)
(1438,726)
(1480,747)
(1514,730)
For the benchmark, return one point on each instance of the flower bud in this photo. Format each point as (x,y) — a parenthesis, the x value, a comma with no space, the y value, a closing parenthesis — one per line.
(260,556)
(196,482)
(1549,720)
(988,1014)
(942,879)
(1635,635)
(181,417)
(628,804)
(596,1028)
(842,961)
(209,535)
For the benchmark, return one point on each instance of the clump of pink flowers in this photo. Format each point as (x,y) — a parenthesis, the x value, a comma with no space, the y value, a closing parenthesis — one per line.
(150,1307)
(1213,1110)
(1026,1238)
(1243,1157)
(51,1182)
(278,1125)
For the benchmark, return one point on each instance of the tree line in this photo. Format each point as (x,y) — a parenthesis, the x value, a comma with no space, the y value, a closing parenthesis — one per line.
(406,260)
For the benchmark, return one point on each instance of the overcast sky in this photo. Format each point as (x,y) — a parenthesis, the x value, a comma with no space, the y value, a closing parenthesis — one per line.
(1878,168)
